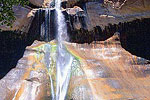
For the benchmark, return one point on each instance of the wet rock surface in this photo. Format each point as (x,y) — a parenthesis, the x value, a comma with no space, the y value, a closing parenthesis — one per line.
(111,71)
(107,66)
(102,70)
(28,80)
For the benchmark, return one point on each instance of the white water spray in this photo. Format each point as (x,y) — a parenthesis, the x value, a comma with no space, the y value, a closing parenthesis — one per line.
(64,59)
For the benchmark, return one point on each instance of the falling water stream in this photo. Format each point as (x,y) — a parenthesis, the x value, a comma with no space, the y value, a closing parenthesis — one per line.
(64,59)
(58,61)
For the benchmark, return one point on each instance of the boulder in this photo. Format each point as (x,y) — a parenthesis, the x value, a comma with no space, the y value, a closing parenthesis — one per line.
(41,3)
(74,11)
(23,19)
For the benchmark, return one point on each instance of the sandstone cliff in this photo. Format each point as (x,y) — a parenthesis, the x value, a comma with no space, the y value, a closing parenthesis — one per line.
(109,40)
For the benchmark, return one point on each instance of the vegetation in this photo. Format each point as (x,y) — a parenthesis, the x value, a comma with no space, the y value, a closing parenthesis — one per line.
(6,13)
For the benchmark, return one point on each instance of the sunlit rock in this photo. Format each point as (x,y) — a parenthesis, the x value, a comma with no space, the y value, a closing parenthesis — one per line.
(75,15)
(23,18)
(29,80)
(122,4)
(35,74)
(74,10)
(128,7)
(100,15)
(41,3)
(111,71)
(71,3)
(100,70)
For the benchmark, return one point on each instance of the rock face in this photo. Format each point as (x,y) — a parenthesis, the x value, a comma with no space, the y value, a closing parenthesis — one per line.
(111,71)
(96,13)
(102,16)
(121,4)
(23,17)
(131,7)
(102,70)
(28,81)
(41,3)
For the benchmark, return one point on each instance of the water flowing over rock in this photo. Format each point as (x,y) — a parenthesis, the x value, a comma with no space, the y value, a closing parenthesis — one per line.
(98,13)
(81,51)
(64,59)
(101,70)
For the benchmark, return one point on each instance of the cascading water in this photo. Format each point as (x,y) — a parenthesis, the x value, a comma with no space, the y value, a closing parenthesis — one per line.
(44,27)
(64,59)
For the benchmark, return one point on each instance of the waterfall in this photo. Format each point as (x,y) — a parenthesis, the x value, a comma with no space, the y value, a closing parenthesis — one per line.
(44,27)
(64,59)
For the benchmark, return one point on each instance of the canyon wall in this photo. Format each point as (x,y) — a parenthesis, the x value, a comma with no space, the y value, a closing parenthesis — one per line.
(108,39)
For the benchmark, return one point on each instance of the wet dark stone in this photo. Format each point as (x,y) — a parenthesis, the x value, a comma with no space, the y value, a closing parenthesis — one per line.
(49,24)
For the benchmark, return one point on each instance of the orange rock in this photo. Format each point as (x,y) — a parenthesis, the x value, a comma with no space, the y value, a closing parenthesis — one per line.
(112,72)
